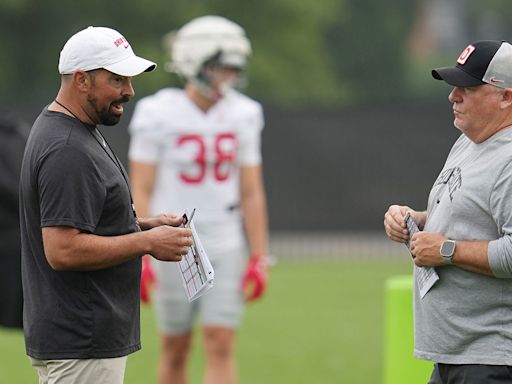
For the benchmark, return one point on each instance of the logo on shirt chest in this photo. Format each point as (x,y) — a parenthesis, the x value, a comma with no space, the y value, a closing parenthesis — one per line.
(452,177)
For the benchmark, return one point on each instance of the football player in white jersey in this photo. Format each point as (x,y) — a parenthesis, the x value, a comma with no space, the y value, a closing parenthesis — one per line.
(199,147)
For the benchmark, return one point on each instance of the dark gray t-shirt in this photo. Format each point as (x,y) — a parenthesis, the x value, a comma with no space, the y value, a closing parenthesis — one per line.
(69,179)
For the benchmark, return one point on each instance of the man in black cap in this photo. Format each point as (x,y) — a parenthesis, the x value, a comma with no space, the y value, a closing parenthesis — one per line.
(463,321)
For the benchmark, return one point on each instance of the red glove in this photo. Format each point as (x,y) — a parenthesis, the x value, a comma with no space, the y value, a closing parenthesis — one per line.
(147,280)
(255,278)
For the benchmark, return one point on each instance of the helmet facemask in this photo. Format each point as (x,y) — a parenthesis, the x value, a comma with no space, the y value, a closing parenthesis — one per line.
(220,74)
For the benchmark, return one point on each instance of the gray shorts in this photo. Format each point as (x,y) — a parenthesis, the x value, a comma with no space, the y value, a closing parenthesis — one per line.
(80,371)
(471,374)
(222,305)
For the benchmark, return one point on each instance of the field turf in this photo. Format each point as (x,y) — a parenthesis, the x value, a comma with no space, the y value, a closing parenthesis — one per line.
(321,322)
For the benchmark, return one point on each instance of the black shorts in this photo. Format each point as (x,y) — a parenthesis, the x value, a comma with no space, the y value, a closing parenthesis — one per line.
(470,374)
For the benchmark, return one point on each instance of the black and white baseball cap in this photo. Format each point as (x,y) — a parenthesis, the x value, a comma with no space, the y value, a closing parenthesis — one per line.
(482,62)
(101,47)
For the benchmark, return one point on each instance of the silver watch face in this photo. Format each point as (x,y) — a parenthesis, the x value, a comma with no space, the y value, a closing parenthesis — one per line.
(447,248)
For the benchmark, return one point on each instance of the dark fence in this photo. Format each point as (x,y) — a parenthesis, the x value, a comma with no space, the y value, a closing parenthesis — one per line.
(340,170)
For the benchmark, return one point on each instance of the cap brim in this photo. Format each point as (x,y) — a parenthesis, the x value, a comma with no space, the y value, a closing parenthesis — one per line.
(456,77)
(131,66)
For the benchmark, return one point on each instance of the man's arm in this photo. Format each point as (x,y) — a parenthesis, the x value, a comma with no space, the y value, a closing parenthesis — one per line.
(67,248)
(472,256)
(469,255)
(425,246)
(142,180)
(254,208)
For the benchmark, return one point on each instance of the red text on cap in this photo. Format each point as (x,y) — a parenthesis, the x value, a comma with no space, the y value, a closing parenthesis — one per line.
(120,41)
(465,54)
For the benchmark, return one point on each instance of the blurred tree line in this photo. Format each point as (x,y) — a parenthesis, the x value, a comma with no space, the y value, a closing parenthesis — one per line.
(306,52)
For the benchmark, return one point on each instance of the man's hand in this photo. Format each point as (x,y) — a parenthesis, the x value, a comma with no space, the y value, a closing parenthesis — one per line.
(255,278)
(147,280)
(394,223)
(425,248)
(169,243)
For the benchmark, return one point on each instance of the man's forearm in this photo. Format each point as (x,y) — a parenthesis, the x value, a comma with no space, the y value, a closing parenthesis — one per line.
(472,256)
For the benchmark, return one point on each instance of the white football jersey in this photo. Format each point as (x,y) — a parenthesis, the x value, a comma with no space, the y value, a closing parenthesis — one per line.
(198,157)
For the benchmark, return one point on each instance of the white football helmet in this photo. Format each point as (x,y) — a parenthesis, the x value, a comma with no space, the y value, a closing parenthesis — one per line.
(207,40)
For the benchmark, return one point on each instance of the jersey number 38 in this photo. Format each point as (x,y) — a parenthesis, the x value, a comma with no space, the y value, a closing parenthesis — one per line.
(224,155)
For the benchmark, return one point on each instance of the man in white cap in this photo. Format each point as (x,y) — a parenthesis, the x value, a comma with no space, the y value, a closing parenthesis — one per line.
(463,323)
(81,240)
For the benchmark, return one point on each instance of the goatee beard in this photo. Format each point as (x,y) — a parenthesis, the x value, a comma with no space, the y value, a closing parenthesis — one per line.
(105,117)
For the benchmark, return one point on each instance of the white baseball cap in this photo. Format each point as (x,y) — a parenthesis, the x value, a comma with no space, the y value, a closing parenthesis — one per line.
(101,47)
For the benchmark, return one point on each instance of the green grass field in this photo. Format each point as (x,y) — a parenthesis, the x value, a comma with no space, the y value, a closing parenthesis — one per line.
(320,322)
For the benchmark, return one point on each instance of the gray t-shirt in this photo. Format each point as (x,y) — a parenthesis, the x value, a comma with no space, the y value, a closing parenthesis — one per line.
(69,179)
(466,318)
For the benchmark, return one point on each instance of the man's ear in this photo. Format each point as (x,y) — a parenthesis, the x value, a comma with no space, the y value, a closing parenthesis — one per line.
(81,80)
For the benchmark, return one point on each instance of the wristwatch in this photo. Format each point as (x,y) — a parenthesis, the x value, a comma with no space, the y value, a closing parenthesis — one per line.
(447,250)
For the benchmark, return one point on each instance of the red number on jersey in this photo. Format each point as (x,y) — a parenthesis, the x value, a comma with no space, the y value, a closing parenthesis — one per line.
(199,160)
(224,155)
(224,152)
